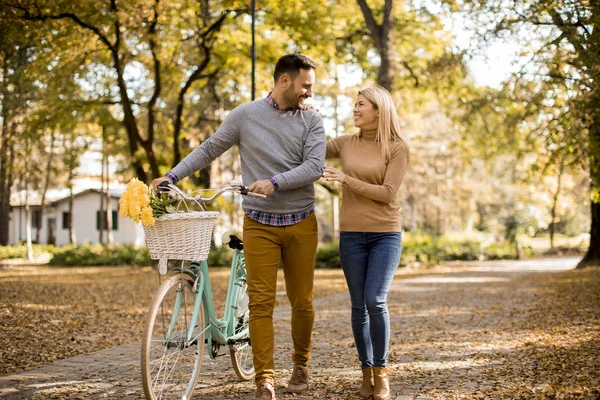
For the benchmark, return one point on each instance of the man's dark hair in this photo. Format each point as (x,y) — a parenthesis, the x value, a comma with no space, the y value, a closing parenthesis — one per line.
(291,64)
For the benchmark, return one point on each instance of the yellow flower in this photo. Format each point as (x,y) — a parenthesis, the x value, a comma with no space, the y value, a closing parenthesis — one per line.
(135,203)
(147,218)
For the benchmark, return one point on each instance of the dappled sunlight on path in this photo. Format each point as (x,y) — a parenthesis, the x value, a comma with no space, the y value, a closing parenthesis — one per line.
(492,330)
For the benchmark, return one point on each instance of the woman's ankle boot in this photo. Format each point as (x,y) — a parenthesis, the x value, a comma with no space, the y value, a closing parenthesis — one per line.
(382,384)
(366,389)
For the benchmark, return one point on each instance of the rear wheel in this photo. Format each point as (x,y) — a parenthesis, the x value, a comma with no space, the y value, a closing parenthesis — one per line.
(170,362)
(241,353)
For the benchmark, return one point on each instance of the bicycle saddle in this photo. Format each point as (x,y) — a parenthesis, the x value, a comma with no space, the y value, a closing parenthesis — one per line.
(232,238)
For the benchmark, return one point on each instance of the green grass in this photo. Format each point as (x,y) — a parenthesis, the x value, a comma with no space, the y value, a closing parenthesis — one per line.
(541,244)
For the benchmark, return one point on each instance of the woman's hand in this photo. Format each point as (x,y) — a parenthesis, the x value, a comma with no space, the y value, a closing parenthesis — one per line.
(333,174)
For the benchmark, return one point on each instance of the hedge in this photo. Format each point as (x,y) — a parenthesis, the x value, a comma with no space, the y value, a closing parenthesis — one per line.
(416,250)
(100,254)
(20,251)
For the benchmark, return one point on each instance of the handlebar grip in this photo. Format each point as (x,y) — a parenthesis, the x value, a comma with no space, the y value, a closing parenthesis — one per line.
(244,191)
(163,186)
(252,194)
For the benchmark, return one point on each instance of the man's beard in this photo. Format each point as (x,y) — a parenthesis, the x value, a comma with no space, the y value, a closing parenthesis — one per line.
(292,100)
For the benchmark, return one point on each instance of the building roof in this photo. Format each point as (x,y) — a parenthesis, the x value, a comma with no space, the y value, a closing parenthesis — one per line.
(54,196)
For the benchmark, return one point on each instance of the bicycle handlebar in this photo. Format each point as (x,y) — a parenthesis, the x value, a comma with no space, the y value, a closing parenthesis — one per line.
(234,186)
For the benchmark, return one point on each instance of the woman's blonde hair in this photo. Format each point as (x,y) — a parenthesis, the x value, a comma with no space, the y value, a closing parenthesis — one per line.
(388,125)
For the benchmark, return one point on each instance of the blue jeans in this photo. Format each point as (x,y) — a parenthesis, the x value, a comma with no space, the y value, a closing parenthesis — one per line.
(370,261)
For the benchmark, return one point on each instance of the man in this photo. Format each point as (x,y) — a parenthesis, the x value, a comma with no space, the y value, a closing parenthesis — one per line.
(282,150)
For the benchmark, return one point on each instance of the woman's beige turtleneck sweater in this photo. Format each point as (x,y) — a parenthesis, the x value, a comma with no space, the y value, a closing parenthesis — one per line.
(369,202)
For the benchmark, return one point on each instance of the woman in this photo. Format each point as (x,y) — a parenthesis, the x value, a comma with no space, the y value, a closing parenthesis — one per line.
(374,162)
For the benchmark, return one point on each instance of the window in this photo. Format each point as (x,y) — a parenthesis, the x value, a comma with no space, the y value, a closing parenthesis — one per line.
(36,219)
(66,218)
(115,220)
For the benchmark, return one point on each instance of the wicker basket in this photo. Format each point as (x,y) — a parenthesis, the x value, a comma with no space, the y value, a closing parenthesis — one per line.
(181,236)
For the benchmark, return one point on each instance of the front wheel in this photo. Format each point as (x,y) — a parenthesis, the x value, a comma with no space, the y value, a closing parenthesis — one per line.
(241,352)
(171,358)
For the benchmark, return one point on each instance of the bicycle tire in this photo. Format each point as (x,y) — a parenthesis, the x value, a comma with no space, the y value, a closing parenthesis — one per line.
(241,353)
(170,368)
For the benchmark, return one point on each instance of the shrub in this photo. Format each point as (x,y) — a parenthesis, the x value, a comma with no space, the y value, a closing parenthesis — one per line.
(500,251)
(20,251)
(462,250)
(219,256)
(328,256)
(99,254)
(505,251)
(419,249)
(416,249)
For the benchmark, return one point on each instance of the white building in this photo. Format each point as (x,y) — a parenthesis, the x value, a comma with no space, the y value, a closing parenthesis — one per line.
(55,218)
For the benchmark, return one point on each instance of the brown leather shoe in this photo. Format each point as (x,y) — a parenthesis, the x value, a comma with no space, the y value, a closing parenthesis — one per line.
(366,389)
(299,381)
(265,391)
(382,384)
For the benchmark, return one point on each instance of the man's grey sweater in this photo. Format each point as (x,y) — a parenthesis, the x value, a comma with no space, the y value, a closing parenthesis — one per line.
(289,145)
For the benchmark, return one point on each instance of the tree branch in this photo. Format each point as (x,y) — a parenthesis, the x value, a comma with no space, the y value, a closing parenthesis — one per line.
(204,37)
(27,15)
(568,31)
(372,25)
(412,73)
(157,72)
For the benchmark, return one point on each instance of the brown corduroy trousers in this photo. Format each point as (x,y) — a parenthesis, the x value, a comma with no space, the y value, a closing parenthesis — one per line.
(266,248)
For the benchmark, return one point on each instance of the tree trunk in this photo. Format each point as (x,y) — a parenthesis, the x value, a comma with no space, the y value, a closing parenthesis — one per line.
(384,77)
(46,185)
(592,257)
(71,161)
(101,212)
(129,121)
(72,238)
(381,34)
(203,178)
(6,165)
(5,181)
(554,204)
(177,124)
(27,207)
(335,226)
(28,226)
(196,75)
(109,221)
(130,125)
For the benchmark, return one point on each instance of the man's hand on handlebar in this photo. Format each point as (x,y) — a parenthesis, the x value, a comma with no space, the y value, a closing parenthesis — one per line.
(264,186)
(258,189)
(156,182)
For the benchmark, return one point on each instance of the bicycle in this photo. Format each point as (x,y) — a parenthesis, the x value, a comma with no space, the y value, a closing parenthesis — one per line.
(181,318)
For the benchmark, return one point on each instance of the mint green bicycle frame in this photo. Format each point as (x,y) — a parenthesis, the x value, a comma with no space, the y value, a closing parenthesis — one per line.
(221,331)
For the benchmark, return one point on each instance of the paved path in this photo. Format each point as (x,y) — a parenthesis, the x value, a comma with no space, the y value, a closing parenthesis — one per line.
(423,309)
